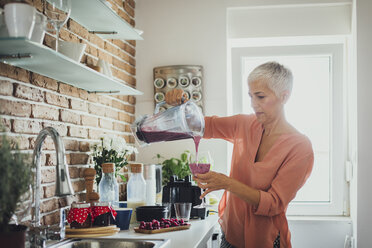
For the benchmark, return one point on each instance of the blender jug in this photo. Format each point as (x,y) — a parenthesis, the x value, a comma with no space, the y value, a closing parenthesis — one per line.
(181,122)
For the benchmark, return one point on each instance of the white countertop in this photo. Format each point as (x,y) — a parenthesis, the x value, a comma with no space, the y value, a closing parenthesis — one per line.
(195,237)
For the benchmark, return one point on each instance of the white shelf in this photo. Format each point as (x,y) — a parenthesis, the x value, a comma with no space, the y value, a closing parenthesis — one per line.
(97,16)
(47,62)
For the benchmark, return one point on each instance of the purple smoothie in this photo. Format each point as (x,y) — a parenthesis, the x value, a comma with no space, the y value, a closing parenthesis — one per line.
(157,136)
(199,168)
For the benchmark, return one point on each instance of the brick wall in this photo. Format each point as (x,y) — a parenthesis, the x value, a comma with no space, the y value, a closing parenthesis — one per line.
(30,102)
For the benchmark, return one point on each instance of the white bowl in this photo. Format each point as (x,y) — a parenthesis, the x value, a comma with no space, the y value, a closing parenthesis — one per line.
(73,50)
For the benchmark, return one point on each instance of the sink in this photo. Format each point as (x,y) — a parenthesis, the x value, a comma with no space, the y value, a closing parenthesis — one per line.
(112,243)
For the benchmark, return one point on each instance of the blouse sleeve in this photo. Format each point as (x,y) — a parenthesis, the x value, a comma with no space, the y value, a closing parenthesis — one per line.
(220,127)
(290,178)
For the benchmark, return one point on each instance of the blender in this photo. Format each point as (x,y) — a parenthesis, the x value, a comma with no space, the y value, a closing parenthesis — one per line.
(180,122)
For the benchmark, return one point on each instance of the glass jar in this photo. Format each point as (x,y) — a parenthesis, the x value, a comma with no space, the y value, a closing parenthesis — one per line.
(136,189)
(102,212)
(108,186)
(80,215)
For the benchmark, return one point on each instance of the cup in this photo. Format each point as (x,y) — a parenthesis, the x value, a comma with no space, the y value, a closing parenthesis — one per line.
(183,210)
(122,219)
(73,50)
(39,29)
(168,205)
(19,19)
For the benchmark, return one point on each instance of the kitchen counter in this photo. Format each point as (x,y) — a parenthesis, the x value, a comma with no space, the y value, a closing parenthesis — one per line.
(195,237)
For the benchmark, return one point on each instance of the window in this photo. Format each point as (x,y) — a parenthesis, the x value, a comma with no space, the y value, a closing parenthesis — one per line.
(316,108)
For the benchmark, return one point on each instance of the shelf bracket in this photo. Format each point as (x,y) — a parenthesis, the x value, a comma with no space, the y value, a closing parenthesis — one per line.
(103,32)
(15,56)
(105,92)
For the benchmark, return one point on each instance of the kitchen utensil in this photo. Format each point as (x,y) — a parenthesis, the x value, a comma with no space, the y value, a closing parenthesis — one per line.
(161,230)
(183,210)
(148,213)
(73,50)
(181,190)
(19,19)
(91,232)
(180,122)
(123,217)
(38,32)
(58,12)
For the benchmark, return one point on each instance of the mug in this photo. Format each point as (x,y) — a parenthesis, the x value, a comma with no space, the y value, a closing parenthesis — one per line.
(19,19)
(122,219)
(39,29)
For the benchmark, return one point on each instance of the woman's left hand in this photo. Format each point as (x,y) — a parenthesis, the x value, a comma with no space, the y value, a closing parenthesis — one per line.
(212,181)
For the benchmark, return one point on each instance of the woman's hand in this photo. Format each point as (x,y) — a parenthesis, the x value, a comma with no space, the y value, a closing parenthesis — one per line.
(212,181)
(176,97)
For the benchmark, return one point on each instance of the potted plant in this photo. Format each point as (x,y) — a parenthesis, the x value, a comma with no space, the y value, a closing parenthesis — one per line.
(175,166)
(112,149)
(15,181)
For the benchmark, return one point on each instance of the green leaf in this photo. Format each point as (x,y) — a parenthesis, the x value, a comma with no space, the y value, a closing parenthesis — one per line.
(123,178)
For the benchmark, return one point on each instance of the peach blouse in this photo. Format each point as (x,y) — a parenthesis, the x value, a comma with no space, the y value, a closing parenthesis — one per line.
(278,177)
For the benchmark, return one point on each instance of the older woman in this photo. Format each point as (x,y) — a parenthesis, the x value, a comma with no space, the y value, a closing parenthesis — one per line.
(271,161)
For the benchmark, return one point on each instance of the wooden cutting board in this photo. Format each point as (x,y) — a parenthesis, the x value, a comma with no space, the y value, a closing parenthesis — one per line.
(169,229)
(91,232)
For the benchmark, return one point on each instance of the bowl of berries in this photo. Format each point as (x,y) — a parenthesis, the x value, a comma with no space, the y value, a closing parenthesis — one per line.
(162,225)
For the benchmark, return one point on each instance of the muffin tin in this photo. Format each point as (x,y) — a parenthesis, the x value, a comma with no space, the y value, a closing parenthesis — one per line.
(186,77)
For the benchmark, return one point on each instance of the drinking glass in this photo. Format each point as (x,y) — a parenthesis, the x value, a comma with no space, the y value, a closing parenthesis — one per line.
(201,164)
(183,210)
(58,12)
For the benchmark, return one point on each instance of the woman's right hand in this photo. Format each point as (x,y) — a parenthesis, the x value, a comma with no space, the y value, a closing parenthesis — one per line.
(176,97)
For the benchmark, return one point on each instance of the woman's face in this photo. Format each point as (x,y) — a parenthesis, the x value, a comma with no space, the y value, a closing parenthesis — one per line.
(266,105)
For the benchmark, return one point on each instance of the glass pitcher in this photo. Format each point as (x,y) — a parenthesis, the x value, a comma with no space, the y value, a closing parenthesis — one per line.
(181,122)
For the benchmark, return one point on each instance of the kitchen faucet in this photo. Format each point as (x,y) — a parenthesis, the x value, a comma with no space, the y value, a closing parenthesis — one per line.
(38,235)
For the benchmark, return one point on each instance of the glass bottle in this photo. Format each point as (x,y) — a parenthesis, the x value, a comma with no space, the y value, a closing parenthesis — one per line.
(108,186)
(136,189)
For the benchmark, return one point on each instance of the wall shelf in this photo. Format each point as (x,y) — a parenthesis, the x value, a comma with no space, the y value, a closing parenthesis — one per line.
(38,58)
(98,17)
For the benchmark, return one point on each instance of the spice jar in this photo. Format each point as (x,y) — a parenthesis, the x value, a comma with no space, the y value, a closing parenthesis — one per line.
(102,212)
(80,215)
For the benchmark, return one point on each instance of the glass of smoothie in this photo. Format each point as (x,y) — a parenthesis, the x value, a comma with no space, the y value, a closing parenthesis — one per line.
(202,166)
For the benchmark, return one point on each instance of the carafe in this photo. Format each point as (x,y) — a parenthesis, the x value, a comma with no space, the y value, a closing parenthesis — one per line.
(136,189)
(108,186)
(181,122)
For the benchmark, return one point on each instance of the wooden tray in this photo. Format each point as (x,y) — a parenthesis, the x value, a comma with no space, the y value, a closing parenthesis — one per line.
(91,232)
(169,229)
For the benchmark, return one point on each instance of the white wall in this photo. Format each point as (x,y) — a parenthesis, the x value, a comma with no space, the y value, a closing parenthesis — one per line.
(364,65)
(194,32)
(183,32)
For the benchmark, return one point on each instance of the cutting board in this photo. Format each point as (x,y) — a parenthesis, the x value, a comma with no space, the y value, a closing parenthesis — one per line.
(169,229)
(91,232)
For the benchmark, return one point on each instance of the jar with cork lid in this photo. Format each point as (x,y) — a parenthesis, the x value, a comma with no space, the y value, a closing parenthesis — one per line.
(136,189)
(108,186)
